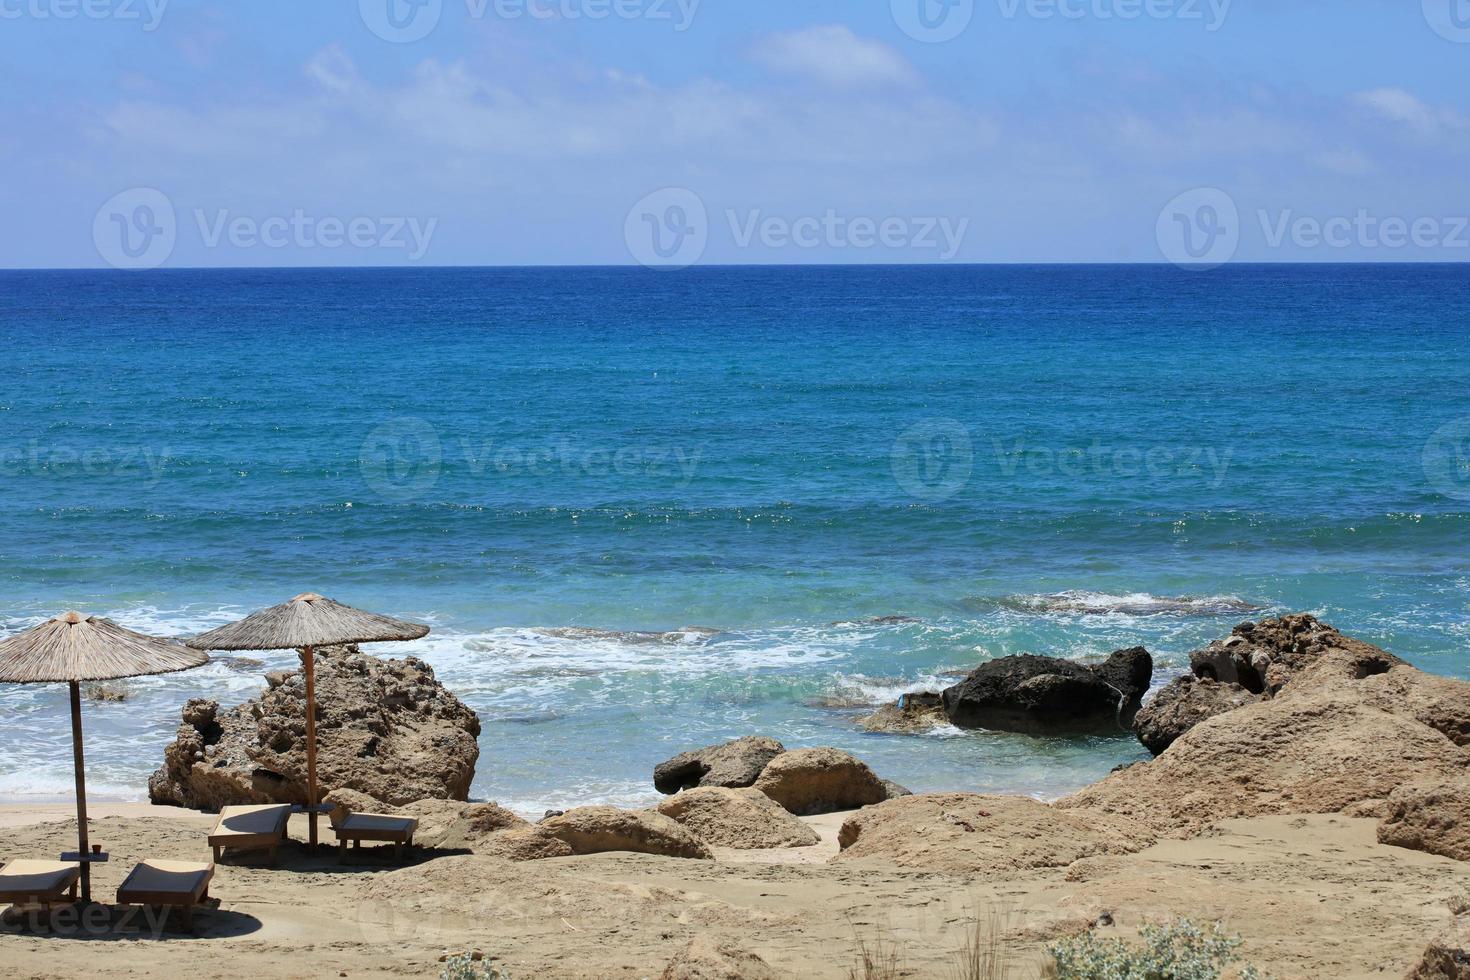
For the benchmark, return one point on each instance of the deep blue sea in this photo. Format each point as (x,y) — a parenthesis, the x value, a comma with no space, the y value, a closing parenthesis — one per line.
(1063,460)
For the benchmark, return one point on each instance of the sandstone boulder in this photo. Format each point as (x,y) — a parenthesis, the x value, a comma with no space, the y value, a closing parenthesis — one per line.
(529,844)
(914,714)
(1045,695)
(1298,656)
(1301,755)
(1184,703)
(1430,816)
(707,959)
(965,833)
(598,829)
(732,764)
(740,818)
(812,781)
(386,728)
(1447,956)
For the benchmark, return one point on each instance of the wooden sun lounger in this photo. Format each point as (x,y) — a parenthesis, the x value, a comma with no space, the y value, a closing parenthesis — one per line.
(358,827)
(250,828)
(170,884)
(39,883)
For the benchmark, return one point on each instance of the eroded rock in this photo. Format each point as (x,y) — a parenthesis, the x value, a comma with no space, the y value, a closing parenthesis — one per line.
(1430,816)
(741,818)
(812,781)
(1182,704)
(386,728)
(1046,695)
(732,765)
(598,829)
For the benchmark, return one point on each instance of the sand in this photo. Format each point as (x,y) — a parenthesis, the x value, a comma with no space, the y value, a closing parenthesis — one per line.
(1313,897)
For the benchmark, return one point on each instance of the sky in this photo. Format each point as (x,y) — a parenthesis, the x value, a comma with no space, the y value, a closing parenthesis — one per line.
(187,133)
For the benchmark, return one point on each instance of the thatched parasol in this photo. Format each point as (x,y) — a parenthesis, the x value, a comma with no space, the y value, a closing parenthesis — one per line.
(72,649)
(305,623)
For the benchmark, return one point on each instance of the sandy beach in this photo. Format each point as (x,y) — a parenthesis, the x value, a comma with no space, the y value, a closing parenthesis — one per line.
(1313,896)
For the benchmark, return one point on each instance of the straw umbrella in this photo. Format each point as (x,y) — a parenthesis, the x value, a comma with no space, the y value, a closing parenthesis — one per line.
(71,649)
(305,623)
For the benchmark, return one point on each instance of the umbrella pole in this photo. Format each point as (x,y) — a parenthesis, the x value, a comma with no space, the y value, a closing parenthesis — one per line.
(76,743)
(310,664)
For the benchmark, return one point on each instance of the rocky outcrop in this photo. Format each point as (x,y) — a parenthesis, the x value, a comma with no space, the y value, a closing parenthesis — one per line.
(914,714)
(740,818)
(443,824)
(965,833)
(1316,754)
(1298,656)
(529,844)
(386,728)
(732,765)
(707,959)
(1184,703)
(1430,816)
(812,781)
(1448,955)
(598,829)
(1046,696)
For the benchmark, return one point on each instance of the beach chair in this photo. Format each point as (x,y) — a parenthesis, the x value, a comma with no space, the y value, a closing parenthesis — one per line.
(181,885)
(355,828)
(44,883)
(250,828)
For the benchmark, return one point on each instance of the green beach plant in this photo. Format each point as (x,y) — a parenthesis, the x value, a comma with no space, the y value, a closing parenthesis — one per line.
(1180,950)
(464,966)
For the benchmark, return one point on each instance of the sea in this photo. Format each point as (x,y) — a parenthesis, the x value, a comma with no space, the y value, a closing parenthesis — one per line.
(645,511)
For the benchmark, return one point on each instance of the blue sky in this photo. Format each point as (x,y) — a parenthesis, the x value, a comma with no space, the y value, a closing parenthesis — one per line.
(560,131)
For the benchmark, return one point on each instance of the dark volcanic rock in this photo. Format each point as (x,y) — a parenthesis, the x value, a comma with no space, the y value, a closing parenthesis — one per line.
(1184,703)
(733,765)
(386,728)
(1045,695)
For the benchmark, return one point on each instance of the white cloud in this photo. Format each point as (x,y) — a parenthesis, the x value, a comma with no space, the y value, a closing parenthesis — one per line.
(1400,106)
(833,55)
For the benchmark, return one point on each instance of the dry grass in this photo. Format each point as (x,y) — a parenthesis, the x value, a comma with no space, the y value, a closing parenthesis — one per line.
(876,959)
(984,955)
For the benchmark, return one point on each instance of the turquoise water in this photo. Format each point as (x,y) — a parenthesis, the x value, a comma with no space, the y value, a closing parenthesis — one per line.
(1062,460)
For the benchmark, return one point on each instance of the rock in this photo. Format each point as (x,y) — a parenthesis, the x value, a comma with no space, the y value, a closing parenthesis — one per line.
(733,765)
(1430,816)
(895,790)
(1182,704)
(914,714)
(1044,695)
(707,959)
(386,728)
(532,844)
(812,781)
(740,818)
(965,833)
(598,829)
(106,691)
(1300,656)
(1301,755)
(1447,956)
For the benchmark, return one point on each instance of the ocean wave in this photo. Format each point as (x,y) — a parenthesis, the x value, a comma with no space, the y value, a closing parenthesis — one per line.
(1086,603)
